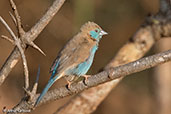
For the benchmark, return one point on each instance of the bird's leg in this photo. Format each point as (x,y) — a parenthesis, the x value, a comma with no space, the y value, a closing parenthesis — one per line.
(86,78)
(70,80)
(69,84)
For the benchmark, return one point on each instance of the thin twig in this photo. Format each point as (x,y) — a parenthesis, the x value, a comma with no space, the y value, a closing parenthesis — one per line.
(8,39)
(18,44)
(13,18)
(8,28)
(18,19)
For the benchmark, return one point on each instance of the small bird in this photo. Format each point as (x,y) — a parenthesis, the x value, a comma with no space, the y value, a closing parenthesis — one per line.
(77,55)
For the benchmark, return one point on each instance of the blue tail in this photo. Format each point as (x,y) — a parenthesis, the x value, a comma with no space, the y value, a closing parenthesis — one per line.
(50,83)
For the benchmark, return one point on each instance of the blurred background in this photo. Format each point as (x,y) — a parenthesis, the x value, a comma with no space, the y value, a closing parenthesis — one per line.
(136,94)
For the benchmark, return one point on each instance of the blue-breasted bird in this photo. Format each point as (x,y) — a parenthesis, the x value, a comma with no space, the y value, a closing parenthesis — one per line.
(77,55)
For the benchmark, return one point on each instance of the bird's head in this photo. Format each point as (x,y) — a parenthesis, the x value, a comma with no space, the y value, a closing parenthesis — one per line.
(93,30)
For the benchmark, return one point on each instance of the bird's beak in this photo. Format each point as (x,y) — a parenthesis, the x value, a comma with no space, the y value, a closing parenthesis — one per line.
(103,33)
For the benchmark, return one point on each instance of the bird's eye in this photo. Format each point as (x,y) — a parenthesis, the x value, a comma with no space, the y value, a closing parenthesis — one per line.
(96,30)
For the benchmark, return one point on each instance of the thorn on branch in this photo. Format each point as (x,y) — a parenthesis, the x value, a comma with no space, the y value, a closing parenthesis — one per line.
(36,47)
(8,39)
(31,94)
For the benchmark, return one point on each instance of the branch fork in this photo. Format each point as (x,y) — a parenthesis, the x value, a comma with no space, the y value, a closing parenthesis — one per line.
(20,41)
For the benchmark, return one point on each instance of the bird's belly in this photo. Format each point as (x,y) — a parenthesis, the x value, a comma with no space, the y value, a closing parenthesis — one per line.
(83,67)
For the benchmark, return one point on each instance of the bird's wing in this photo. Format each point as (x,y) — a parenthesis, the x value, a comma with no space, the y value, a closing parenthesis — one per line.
(76,51)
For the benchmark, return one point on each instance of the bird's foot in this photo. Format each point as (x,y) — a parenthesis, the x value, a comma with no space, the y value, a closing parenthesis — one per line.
(68,86)
(86,79)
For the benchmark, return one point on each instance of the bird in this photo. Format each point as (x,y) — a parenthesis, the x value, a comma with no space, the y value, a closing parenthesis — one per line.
(76,57)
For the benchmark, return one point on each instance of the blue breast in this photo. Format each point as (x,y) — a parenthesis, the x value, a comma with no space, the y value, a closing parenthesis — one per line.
(83,68)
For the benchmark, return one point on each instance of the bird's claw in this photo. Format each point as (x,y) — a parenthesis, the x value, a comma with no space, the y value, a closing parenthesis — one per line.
(68,86)
(86,78)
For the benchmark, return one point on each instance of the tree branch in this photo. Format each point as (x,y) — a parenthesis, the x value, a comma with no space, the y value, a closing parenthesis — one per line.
(102,77)
(109,74)
(28,37)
